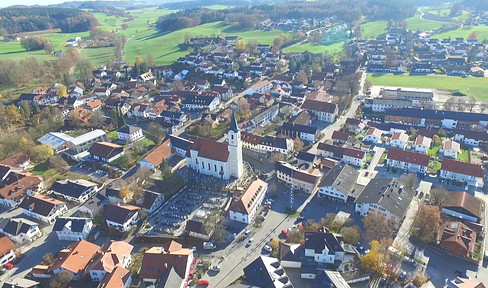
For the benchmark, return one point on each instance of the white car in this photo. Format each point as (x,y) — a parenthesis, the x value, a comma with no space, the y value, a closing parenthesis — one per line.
(246,233)
(267,248)
(249,242)
(215,268)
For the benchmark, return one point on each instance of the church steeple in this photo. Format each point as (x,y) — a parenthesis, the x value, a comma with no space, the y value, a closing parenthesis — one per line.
(233,123)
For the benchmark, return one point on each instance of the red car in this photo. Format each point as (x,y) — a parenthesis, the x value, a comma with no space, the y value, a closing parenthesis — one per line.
(284,231)
(203,283)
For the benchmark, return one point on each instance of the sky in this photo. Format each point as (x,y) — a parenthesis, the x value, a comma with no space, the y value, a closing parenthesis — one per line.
(6,3)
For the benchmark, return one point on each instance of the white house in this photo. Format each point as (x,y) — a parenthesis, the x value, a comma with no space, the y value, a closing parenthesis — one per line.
(112,254)
(121,216)
(200,102)
(20,230)
(7,253)
(472,138)
(324,111)
(303,180)
(407,160)
(72,228)
(278,144)
(339,184)
(43,208)
(129,133)
(244,209)
(106,151)
(399,140)
(450,149)
(354,157)
(151,201)
(74,190)
(422,144)
(261,87)
(470,174)
(373,135)
(324,248)
(463,206)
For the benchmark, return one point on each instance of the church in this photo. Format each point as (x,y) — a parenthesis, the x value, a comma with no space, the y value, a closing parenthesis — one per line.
(217,159)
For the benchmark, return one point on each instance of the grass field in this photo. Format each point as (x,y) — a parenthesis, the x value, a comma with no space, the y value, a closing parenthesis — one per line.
(167,47)
(98,56)
(464,32)
(463,156)
(316,48)
(471,86)
(217,7)
(417,23)
(373,29)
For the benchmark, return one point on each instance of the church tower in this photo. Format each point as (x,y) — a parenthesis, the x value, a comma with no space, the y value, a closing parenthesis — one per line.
(235,148)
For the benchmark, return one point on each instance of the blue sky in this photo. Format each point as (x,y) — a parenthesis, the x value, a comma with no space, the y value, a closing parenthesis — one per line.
(5,3)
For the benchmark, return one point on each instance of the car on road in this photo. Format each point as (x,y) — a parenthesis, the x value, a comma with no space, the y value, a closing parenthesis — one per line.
(301,218)
(413,262)
(249,242)
(203,283)
(486,255)
(267,248)
(402,275)
(246,233)
(215,268)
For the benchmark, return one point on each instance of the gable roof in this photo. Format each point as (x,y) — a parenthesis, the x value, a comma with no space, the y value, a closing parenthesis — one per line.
(16,160)
(400,136)
(72,188)
(408,157)
(389,193)
(251,138)
(119,213)
(462,168)
(339,135)
(451,145)
(112,253)
(105,150)
(40,204)
(342,177)
(148,199)
(129,129)
(159,154)
(16,226)
(19,187)
(463,200)
(318,241)
(158,259)
(5,245)
(320,106)
(423,140)
(181,143)
(267,272)
(211,149)
(248,199)
(116,278)
(76,257)
(72,224)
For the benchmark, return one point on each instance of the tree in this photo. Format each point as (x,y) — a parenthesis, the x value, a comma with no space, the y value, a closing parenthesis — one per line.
(61,279)
(43,152)
(150,60)
(252,45)
(276,156)
(438,196)
(460,104)
(390,24)
(436,139)
(57,162)
(471,104)
(114,117)
(427,223)
(410,180)
(97,119)
(84,68)
(25,110)
(450,104)
(373,261)
(61,90)
(302,77)
(177,86)
(279,41)
(155,132)
(298,144)
(240,45)
(124,193)
(473,35)
(378,226)
(351,234)
(48,259)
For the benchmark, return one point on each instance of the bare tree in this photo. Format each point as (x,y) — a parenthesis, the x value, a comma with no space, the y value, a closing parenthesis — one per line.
(450,104)
(471,104)
(483,107)
(461,104)
(410,180)
(438,196)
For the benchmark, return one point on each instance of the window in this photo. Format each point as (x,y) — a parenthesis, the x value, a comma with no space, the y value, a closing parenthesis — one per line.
(215,167)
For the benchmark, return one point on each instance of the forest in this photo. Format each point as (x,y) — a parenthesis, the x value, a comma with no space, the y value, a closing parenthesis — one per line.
(25,19)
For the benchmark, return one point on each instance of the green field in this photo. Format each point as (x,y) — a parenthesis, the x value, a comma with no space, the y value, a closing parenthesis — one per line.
(418,23)
(464,32)
(168,47)
(217,7)
(373,29)
(316,48)
(471,86)
(98,56)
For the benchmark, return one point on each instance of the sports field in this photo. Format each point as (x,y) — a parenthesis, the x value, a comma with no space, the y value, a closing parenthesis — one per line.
(471,86)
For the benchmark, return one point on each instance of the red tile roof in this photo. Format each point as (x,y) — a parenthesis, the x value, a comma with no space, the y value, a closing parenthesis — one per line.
(408,157)
(355,153)
(462,168)
(159,154)
(248,199)
(157,259)
(251,138)
(115,279)
(76,257)
(5,245)
(339,135)
(321,106)
(211,149)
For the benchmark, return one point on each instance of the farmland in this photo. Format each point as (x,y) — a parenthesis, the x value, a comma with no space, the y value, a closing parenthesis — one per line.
(471,86)
(315,48)
(482,31)
(373,29)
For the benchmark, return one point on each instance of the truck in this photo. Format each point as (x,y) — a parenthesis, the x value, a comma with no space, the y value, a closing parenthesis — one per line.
(209,245)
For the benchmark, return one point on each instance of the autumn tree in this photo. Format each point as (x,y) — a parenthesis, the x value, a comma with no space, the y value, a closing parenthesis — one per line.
(125,193)
(59,164)
(473,35)
(276,156)
(43,152)
(410,180)
(252,45)
(351,235)
(61,90)
(48,259)
(298,144)
(240,45)
(427,223)
(155,132)
(378,226)
(177,86)
(150,60)
(302,77)
(471,104)
(374,260)
(450,104)
(61,279)
(436,139)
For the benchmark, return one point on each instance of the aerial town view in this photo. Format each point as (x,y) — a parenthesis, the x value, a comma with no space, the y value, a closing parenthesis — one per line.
(222,143)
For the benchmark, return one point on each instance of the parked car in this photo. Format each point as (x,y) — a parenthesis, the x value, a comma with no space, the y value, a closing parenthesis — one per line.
(267,248)
(246,233)
(215,268)
(413,262)
(203,283)
(402,275)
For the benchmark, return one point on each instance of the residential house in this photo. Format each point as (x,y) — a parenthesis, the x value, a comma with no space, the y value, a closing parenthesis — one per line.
(225,93)
(129,133)
(267,272)
(155,158)
(20,283)
(158,260)
(7,253)
(450,149)
(106,151)
(354,157)
(180,145)
(457,239)
(20,230)
(304,132)
(422,144)
(17,160)
(399,140)
(197,228)
(467,173)
(407,160)
(386,196)
(324,248)
(121,216)
(246,205)
(251,141)
(324,111)
(112,254)
(303,180)
(460,282)
(261,87)
(339,137)
(151,201)
(469,137)
(43,208)
(463,206)
(270,144)
(354,125)
(119,277)
(200,102)
(93,105)
(17,186)
(74,190)
(72,228)
(339,184)
(373,135)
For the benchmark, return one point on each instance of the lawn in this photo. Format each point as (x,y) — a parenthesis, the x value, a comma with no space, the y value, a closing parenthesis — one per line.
(433,151)
(98,56)
(373,29)
(112,135)
(336,48)
(168,47)
(418,23)
(44,170)
(471,86)
(464,32)
(463,156)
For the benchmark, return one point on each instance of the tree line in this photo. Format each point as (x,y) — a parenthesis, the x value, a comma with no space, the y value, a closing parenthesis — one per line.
(24,19)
